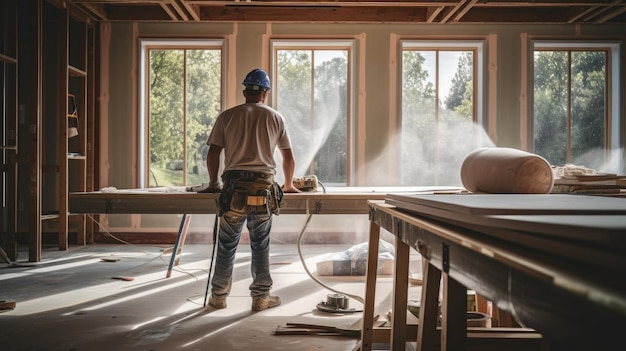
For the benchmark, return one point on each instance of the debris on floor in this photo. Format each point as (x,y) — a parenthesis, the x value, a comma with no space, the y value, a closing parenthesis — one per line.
(7,305)
(126,279)
(352,330)
(353,261)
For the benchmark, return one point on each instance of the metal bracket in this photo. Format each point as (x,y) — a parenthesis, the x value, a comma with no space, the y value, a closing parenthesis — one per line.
(398,228)
(445,258)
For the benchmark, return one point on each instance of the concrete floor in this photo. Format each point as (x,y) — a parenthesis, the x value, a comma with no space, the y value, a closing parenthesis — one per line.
(75,301)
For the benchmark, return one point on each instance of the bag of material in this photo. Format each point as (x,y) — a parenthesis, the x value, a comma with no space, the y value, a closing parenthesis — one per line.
(500,170)
(353,261)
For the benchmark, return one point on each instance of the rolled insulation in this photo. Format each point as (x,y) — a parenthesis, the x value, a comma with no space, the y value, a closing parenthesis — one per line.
(500,170)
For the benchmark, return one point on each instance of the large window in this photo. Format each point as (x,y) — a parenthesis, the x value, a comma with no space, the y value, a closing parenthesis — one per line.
(441,109)
(312,89)
(572,103)
(181,87)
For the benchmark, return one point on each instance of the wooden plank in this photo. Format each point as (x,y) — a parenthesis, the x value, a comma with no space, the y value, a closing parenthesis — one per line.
(400,295)
(453,315)
(30,75)
(500,204)
(370,289)
(608,230)
(340,200)
(427,337)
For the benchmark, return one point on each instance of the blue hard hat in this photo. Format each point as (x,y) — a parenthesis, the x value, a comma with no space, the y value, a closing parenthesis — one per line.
(257,79)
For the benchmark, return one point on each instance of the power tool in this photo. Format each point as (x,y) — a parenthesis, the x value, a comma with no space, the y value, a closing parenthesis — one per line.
(306,183)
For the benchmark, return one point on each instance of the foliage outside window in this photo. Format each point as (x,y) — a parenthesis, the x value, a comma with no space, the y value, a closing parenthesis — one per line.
(311,89)
(439,111)
(182,100)
(571,104)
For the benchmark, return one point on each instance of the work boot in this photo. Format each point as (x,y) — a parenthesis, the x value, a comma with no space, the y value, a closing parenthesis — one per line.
(264,302)
(217,302)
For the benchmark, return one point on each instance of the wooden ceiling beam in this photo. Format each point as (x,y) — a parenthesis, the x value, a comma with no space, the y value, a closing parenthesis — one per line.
(464,9)
(96,10)
(349,11)
(611,15)
(192,10)
(432,13)
(166,8)
(313,14)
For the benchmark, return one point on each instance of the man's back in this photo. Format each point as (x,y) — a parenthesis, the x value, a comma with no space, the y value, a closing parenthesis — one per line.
(249,134)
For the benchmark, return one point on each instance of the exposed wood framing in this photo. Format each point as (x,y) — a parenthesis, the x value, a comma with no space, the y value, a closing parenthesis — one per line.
(398,11)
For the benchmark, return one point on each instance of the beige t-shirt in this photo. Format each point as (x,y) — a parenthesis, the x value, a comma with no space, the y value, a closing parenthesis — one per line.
(249,134)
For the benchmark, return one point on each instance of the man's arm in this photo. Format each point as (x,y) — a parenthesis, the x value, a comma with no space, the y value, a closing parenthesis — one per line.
(213,166)
(289,166)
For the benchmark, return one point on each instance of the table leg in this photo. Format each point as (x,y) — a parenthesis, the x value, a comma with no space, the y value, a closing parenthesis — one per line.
(429,308)
(453,315)
(370,288)
(400,294)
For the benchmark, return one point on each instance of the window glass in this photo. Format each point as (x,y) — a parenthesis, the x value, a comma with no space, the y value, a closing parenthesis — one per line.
(570,105)
(312,91)
(439,111)
(182,98)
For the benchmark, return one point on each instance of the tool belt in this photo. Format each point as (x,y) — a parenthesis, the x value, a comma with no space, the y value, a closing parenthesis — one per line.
(247,192)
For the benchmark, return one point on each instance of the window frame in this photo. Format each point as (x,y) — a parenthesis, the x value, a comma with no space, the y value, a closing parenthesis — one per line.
(146,44)
(614,121)
(477,45)
(326,44)
(480,117)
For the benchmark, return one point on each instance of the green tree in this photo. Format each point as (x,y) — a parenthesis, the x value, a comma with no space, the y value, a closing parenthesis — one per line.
(312,95)
(294,99)
(569,104)
(331,110)
(166,109)
(588,102)
(185,99)
(419,123)
(461,82)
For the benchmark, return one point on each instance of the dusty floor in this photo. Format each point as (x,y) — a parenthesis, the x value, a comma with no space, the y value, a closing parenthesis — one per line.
(75,301)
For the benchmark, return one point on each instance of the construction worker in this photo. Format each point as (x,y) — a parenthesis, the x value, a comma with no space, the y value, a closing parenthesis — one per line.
(248,134)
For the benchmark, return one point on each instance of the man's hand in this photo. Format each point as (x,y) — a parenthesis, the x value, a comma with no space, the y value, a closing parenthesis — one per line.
(214,187)
(290,189)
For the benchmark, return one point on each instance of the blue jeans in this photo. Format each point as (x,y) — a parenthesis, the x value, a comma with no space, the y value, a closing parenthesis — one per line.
(259,225)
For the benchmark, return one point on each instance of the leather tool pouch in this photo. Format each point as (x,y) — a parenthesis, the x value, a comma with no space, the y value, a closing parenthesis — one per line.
(243,195)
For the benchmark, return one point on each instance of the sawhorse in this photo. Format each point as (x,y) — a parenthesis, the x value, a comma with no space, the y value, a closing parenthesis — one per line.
(180,242)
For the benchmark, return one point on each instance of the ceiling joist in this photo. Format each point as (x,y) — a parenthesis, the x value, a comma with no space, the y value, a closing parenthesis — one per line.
(382,11)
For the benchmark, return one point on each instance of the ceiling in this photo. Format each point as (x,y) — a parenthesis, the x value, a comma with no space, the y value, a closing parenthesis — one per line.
(365,11)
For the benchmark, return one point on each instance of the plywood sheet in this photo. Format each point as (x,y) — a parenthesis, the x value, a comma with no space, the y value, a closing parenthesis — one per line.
(500,204)
(577,219)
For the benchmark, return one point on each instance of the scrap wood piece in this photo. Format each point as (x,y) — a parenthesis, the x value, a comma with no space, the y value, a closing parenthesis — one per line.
(290,330)
(416,279)
(127,279)
(4,256)
(7,305)
(352,330)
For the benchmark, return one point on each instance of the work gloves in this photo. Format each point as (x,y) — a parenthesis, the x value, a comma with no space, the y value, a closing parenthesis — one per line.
(213,187)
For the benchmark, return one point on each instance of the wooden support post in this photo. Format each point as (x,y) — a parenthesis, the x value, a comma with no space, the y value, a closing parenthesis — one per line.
(370,288)
(453,315)
(427,335)
(400,294)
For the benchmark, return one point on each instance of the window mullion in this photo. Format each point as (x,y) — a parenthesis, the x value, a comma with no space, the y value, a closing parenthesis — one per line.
(569,106)
(312,102)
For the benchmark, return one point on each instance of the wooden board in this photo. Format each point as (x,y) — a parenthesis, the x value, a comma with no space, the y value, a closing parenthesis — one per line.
(333,200)
(577,219)
(501,204)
